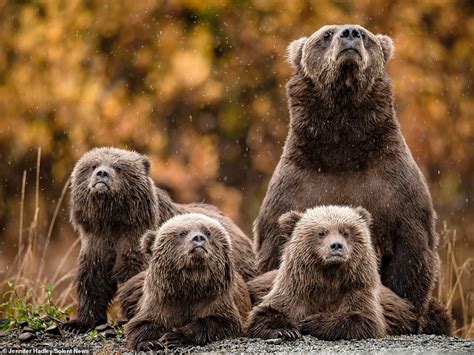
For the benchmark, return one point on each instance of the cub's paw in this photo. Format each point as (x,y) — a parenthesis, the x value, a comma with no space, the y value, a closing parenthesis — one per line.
(149,345)
(288,334)
(173,340)
(76,326)
(284,333)
(310,325)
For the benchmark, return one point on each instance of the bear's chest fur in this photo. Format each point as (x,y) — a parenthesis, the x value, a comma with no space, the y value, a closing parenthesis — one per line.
(369,188)
(342,132)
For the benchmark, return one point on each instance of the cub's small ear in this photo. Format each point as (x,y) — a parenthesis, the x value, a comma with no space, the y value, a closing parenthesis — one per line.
(387,46)
(295,52)
(147,240)
(366,216)
(288,221)
(146,164)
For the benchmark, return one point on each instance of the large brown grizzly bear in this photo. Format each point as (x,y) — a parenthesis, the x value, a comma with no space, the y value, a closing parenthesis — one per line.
(192,293)
(344,147)
(328,284)
(113,202)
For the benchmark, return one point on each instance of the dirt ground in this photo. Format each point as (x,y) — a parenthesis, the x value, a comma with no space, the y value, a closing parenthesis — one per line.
(70,343)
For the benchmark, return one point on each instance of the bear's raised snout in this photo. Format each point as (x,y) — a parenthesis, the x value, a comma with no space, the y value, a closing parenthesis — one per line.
(102,174)
(336,247)
(350,39)
(100,179)
(351,33)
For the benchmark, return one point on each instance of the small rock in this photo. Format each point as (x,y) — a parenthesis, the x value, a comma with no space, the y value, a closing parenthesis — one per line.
(110,333)
(24,337)
(53,330)
(274,341)
(27,330)
(103,327)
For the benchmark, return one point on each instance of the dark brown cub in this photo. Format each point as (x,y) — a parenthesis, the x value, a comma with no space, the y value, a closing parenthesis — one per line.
(191,292)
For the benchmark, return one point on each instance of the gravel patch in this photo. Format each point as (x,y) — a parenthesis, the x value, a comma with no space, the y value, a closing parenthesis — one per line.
(9,341)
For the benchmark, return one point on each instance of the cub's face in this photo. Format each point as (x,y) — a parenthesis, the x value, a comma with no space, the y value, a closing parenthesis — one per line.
(192,242)
(110,171)
(341,53)
(329,235)
(111,191)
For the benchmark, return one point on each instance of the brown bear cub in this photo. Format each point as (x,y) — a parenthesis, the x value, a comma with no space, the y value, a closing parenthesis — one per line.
(113,203)
(192,293)
(399,316)
(345,147)
(328,284)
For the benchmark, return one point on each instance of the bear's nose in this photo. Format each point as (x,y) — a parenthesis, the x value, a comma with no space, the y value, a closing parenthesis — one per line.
(336,246)
(350,33)
(199,239)
(102,174)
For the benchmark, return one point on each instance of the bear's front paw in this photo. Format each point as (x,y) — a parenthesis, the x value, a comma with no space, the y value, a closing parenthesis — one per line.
(149,345)
(289,334)
(76,326)
(173,340)
(309,325)
(283,333)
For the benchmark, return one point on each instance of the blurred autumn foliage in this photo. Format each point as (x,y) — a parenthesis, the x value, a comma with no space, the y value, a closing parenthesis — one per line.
(199,87)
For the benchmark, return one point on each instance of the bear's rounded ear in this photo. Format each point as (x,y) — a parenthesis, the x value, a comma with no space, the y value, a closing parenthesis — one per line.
(365,215)
(387,46)
(288,221)
(295,52)
(147,240)
(146,164)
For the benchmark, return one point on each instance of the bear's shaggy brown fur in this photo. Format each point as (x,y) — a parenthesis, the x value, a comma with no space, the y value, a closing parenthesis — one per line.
(398,313)
(191,293)
(113,202)
(328,284)
(344,147)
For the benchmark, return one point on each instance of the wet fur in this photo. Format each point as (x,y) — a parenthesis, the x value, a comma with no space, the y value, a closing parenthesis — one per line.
(186,301)
(243,256)
(315,297)
(110,226)
(344,147)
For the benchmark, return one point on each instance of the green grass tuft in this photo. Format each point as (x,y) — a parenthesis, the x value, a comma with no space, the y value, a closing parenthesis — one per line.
(19,308)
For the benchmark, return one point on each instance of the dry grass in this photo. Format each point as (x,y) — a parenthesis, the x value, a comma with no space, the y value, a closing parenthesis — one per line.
(31,265)
(31,260)
(450,285)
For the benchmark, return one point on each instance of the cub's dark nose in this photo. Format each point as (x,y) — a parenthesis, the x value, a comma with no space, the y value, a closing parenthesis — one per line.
(350,33)
(335,247)
(198,239)
(102,174)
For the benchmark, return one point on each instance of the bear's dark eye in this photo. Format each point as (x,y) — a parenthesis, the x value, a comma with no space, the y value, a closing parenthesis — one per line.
(118,169)
(327,35)
(94,167)
(183,234)
(345,232)
(322,233)
(207,233)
